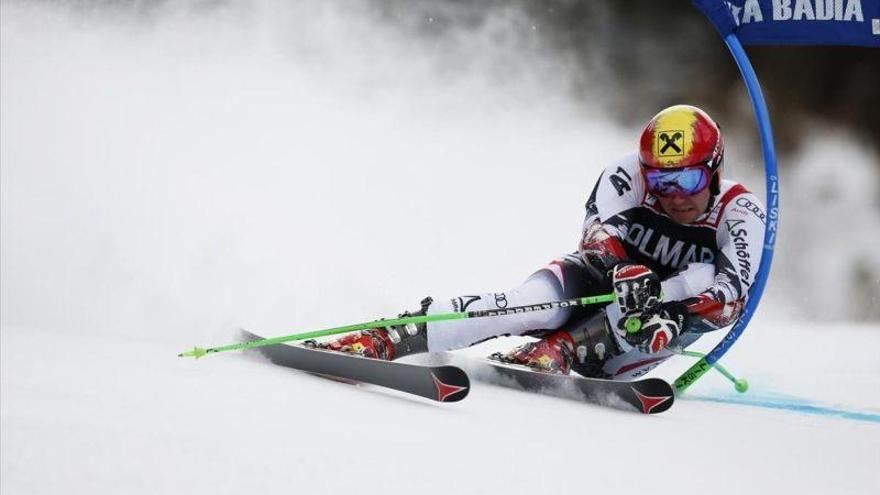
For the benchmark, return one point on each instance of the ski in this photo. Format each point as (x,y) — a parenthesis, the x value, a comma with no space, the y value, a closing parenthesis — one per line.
(439,383)
(647,395)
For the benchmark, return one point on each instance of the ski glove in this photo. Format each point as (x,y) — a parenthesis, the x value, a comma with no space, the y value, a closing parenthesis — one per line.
(636,290)
(659,327)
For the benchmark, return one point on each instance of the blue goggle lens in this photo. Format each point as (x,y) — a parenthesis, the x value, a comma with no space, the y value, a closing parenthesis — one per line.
(685,181)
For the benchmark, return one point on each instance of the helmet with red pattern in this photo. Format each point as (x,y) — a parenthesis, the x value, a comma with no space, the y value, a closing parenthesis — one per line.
(681,151)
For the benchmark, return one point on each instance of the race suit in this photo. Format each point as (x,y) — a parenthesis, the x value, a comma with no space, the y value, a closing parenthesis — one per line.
(709,264)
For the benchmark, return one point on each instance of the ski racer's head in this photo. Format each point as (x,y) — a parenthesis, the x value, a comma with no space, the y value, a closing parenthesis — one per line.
(681,154)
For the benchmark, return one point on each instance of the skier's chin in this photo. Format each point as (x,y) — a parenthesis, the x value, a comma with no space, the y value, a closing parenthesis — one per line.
(683,216)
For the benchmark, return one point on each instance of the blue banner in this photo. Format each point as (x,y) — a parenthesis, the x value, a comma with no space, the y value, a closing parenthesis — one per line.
(796,22)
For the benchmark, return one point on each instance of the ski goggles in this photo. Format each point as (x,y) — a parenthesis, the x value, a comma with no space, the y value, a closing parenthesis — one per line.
(685,181)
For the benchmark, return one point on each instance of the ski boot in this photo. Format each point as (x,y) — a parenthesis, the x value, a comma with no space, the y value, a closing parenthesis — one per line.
(583,346)
(551,354)
(373,344)
(386,343)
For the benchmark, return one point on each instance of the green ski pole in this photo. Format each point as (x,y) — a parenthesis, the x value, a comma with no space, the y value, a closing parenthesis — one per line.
(740,384)
(198,352)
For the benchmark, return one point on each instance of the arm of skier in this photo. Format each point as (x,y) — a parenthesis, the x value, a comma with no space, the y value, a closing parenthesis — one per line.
(740,238)
(618,190)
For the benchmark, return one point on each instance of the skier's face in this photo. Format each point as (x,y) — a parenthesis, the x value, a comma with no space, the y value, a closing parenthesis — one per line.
(685,209)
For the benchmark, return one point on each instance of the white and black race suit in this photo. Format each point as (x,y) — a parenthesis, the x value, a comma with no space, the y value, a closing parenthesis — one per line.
(709,264)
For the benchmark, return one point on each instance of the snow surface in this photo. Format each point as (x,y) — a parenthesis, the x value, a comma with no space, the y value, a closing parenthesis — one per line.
(110,414)
(170,177)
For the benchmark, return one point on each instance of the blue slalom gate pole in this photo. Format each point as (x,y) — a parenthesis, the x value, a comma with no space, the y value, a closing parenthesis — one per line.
(770,223)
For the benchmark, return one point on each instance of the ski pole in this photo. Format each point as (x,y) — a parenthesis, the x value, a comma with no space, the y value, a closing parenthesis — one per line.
(740,384)
(198,352)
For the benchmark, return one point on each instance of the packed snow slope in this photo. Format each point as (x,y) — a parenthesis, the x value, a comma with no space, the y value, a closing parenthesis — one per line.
(169,177)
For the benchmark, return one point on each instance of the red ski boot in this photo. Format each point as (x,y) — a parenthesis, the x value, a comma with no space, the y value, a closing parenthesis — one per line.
(383,343)
(552,354)
(374,344)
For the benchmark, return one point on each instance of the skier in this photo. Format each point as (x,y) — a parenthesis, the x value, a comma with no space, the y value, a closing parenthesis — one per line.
(677,245)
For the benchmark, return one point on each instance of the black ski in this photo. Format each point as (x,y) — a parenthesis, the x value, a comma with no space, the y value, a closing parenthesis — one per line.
(440,383)
(648,395)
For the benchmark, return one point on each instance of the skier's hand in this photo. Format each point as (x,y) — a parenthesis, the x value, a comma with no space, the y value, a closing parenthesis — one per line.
(636,290)
(658,327)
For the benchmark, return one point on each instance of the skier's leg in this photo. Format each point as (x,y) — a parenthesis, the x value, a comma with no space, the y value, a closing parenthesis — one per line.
(395,342)
(565,277)
(588,345)
(457,334)
(556,351)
